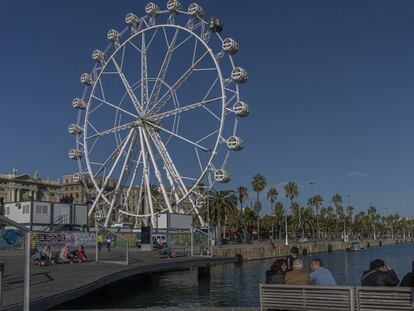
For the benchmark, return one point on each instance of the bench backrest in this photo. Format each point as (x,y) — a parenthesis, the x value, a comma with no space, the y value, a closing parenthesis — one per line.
(306,297)
(383,298)
(338,298)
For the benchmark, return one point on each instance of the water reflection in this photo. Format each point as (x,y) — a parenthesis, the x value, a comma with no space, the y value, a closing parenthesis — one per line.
(231,285)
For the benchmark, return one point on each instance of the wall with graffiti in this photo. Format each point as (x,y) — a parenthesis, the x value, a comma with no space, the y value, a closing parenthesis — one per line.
(59,239)
(11,239)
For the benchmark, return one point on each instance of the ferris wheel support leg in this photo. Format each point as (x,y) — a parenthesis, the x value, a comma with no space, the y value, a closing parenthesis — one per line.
(157,172)
(120,181)
(110,174)
(146,177)
(178,177)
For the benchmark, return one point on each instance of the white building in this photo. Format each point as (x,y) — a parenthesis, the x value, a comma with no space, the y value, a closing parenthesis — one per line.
(43,215)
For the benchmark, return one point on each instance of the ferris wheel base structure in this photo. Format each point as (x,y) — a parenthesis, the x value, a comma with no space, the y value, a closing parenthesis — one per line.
(158,117)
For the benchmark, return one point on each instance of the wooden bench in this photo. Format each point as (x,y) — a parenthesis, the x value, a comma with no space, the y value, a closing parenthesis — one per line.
(383,298)
(337,298)
(306,297)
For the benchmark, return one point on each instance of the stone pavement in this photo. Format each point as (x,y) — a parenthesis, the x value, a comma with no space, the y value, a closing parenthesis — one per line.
(53,285)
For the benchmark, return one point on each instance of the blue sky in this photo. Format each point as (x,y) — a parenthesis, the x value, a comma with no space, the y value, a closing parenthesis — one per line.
(330,87)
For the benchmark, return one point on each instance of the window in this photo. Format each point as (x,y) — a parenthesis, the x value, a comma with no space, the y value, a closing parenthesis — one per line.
(2,190)
(25,209)
(7,210)
(77,195)
(44,209)
(38,209)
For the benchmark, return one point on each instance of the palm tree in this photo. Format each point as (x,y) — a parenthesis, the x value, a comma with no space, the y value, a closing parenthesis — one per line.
(315,202)
(272,197)
(279,214)
(373,217)
(337,202)
(291,192)
(243,195)
(350,212)
(258,184)
(222,207)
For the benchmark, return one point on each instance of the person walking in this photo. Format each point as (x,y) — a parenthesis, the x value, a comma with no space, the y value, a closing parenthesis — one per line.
(408,279)
(320,275)
(379,274)
(297,276)
(100,241)
(108,243)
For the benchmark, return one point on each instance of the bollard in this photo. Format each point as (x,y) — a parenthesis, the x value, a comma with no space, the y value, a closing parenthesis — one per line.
(203,272)
(1,283)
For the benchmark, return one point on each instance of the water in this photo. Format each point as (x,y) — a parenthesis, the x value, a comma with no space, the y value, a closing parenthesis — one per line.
(231,285)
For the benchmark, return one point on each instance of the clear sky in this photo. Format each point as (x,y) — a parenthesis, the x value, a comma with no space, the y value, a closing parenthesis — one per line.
(330,87)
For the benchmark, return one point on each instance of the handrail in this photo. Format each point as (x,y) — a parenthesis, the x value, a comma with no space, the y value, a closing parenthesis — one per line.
(13,223)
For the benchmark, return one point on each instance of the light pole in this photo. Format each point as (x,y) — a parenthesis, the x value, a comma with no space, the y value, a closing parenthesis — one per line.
(286,229)
(312,184)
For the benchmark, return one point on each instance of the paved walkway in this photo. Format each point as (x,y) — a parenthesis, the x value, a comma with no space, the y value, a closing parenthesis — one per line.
(53,285)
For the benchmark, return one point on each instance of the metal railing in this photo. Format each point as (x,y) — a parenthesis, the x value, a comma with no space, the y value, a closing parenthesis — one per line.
(26,286)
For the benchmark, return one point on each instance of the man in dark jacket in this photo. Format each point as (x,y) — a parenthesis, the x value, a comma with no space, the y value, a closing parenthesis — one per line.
(379,275)
(294,254)
(408,279)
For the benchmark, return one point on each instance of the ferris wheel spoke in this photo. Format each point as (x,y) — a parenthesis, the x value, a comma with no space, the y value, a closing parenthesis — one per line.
(157,171)
(113,130)
(107,178)
(182,42)
(163,70)
(170,92)
(114,106)
(205,137)
(185,108)
(110,158)
(178,136)
(128,88)
(120,182)
(144,73)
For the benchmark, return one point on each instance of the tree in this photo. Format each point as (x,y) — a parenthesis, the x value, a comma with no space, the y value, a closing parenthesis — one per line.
(337,202)
(373,217)
(272,197)
(350,212)
(291,192)
(243,195)
(279,214)
(315,202)
(258,185)
(222,207)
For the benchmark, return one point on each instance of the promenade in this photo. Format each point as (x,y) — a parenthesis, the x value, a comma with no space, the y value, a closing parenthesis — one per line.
(53,285)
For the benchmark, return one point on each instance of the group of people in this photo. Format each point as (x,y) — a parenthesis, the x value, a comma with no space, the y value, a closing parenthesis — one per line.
(290,270)
(100,241)
(45,257)
(67,255)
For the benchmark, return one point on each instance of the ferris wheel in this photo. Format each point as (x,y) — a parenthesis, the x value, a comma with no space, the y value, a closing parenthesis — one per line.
(158,116)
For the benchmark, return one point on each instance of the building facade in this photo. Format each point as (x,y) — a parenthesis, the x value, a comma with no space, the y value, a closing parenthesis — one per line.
(23,187)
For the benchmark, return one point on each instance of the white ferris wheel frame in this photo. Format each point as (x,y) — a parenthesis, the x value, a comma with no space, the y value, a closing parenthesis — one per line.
(145,137)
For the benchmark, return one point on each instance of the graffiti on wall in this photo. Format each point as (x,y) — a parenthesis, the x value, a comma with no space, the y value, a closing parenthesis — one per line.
(59,239)
(11,238)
